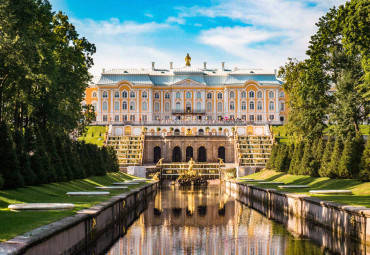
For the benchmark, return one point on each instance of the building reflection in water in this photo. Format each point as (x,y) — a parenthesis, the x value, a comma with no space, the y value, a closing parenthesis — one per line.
(191,220)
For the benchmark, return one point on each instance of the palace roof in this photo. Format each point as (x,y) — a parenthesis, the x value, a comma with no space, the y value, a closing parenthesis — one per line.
(209,77)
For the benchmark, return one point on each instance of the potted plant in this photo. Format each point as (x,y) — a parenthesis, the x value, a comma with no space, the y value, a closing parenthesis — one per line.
(158,129)
(171,129)
(219,129)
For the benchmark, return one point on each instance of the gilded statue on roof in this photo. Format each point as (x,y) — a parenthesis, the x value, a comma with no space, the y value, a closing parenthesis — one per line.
(187,60)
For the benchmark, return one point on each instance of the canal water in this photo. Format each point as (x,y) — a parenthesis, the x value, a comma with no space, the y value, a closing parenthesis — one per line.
(193,220)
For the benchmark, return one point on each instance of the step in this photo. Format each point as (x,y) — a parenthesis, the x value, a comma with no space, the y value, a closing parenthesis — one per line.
(89,193)
(41,206)
(331,191)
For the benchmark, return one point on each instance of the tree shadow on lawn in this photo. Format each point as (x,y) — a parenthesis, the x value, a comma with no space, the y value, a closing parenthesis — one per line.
(272,178)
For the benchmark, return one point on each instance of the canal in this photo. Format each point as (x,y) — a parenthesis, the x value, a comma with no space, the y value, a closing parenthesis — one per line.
(194,220)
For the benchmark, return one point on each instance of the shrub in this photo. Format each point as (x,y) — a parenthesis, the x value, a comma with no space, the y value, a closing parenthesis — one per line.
(220,129)
(335,158)
(171,129)
(365,164)
(325,160)
(158,129)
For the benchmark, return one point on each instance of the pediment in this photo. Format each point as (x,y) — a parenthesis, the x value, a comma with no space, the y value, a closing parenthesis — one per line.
(188,83)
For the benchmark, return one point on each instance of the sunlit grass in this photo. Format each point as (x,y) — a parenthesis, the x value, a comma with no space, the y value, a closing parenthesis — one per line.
(97,138)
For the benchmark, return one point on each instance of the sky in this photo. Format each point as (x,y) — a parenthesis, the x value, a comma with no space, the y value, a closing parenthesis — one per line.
(242,33)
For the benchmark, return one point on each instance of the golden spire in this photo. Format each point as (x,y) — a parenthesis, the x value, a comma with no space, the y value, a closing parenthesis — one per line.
(187,60)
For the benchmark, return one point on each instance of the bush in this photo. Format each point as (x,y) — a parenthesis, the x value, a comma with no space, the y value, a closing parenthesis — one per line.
(220,129)
(171,129)
(365,164)
(158,129)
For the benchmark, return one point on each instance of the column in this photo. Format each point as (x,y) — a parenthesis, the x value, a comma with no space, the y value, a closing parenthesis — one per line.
(150,103)
(98,118)
(277,104)
(137,105)
(111,106)
(238,101)
(215,105)
(226,102)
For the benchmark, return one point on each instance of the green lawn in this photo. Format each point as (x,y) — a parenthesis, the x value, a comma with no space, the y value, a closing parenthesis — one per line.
(360,190)
(15,223)
(94,134)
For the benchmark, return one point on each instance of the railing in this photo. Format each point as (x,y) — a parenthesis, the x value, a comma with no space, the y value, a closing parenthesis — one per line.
(188,111)
(187,123)
(186,134)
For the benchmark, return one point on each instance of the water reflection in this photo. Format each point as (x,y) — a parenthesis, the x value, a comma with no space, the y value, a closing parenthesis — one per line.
(190,220)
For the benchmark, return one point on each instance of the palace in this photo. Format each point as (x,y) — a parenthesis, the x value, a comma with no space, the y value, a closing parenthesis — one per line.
(176,114)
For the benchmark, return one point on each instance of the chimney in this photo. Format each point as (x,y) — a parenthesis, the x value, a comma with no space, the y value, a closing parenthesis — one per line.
(205,65)
(223,66)
(171,65)
(103,70)
(153,66)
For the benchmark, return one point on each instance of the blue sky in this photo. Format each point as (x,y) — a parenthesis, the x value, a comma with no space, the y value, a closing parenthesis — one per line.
(242,33)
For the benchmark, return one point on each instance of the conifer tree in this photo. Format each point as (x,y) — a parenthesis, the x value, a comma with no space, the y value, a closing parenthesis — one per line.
(297,156)
(61,150)
(346,160)
(309,165)
(319,150)
(274,151)
(72,154)
(358,149)
(282,159)
(1,181)
(325,160)
(365,164)
(335,158)
(9,164)
(55,160)
(112,154)
(40,162)
(85,158)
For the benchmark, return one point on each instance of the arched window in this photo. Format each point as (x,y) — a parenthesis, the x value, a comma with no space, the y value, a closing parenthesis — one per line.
(199,95)
(219,107)
(244,105)
(199,105)
(167,95)
(178,106)
(259,105)
(259,94)
(132,105)
(251,105)
(232,105)
(209,95)
(271,94)
(282,106)
(124,105)
(132,94)
(167,106)
(144,106)
(116,94)
(232,94)
(94,94)
(105,94)
(188,94)
(124,94)
(156,106)
(209,107)
(156,95)
(271,106)
(243,94)
(251,94)
(178,95)
(116,106)
(105,106)
(144,94)
(282,94)
(219,95)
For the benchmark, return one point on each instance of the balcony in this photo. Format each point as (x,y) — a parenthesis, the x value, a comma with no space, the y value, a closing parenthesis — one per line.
(188,111)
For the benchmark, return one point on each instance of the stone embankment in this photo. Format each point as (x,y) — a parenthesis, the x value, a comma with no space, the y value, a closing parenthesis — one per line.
(72,234)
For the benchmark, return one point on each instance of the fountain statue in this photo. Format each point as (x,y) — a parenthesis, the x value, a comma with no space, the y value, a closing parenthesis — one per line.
(160,162)
(191,177)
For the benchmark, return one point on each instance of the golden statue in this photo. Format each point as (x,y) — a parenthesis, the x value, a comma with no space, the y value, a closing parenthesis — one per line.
(220,161)
(189,132)
(191,166)
(187,60)
(159,162)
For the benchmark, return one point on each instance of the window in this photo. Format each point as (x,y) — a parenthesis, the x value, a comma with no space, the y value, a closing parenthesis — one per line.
(178,95)
(282,94)
(188,94)
(167,95)
(199,105)
(116,94)
(232,94)
(167,106)
(271,94)
(144,106)
(271,106)
(124,105)
(282,106)
(259,94)
(232,105)
(219,107)
(144,118)
(156,95)
(132,117)
(259,117)
(243,94)
(282,118)
(94,94)
(232,117)
(251,105)
(259,105)
(144,94)
(219,95)
(132,94)
(105,106)
(244,105)
(116,106)
(251,117)
(209,95)
(209,107)
(105,94)
(178,106)
(271,117)
(105,118)
(124,117)
(156,106)
(132,106)
(124,94)
(251,94)
(116,118)
(244,117)
(199,95)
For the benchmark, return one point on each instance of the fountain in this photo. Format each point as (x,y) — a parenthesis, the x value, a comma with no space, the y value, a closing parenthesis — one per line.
(191,176)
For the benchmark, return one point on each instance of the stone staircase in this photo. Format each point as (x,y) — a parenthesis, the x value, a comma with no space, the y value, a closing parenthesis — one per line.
(253,150)
(129,149)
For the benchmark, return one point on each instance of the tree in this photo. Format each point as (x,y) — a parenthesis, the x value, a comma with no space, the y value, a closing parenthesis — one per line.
(282,159)
(324,170)
(335,158)
(40,162)
(346,160)
(61,151)
(274,151)
(9,167)
(114,167)
(319,150)
(55,160)
(1,181)
(297,155)
(365,164)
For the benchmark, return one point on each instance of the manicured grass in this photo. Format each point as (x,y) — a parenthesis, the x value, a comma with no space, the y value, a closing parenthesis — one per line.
(15,223)
(360,190)
(94,134)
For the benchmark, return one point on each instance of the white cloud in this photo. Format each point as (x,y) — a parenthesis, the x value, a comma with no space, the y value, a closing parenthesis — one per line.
(176,20)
